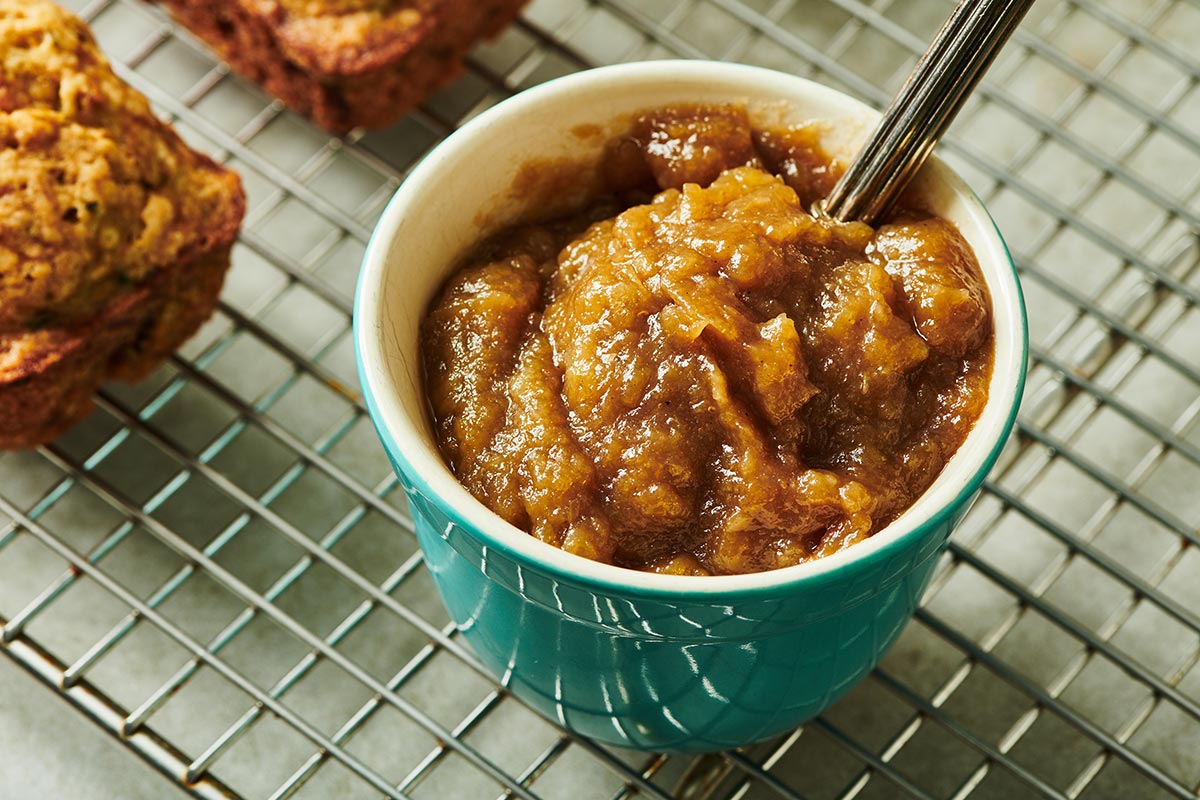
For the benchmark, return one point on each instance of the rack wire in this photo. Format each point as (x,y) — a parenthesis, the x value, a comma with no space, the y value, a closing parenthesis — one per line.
(218,570)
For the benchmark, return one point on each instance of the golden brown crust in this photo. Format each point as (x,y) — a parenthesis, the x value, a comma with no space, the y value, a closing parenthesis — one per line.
(96,194)
(47,377)
(114,235)
(347,37)
(183,302)
(346,63)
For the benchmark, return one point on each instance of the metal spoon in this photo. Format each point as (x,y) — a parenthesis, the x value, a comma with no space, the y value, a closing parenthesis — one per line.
(932,96)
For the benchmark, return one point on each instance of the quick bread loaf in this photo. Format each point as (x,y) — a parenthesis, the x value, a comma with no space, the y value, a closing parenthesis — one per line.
(114,234)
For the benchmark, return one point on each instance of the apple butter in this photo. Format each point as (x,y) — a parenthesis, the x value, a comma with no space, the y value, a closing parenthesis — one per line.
(696,375)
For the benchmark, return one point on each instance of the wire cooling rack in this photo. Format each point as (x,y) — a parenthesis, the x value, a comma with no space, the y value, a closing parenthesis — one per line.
(218,570)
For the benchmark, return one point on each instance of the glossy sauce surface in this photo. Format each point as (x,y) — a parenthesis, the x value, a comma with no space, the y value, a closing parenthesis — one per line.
(696,375)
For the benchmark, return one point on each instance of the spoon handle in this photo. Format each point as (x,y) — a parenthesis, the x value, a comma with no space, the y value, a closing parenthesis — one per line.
(934,93)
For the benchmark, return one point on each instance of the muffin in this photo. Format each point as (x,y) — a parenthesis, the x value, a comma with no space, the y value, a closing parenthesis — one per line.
(346,63)
(114,234)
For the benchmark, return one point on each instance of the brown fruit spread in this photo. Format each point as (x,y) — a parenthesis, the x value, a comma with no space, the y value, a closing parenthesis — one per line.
(696,375)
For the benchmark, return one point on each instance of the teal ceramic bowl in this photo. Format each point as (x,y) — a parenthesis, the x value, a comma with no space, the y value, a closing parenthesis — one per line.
(674,663)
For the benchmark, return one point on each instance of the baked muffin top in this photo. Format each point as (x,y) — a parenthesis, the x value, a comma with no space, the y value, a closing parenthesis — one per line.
(320,8)
(347,37)
(96,193)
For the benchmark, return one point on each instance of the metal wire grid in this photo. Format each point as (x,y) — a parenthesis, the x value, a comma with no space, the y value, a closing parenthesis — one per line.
(217,568)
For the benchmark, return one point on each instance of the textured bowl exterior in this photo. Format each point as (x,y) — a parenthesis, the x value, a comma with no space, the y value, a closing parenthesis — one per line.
(673,674)
(668,663)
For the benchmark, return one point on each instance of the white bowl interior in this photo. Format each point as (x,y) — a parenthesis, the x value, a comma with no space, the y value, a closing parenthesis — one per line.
(462,192)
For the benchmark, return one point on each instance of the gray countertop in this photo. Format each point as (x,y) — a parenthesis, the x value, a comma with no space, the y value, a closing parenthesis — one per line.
(48,750)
